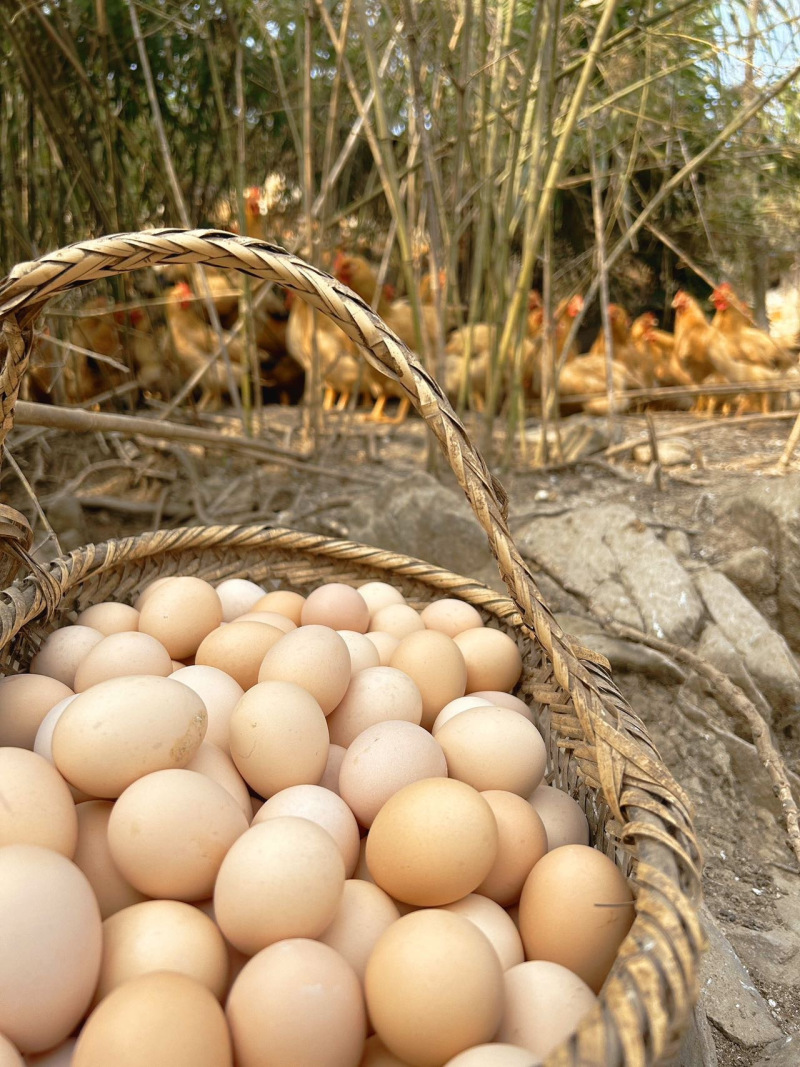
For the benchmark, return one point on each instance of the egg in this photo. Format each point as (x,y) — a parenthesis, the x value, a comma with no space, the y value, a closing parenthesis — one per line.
(119,655)
(494,1055)
(432,842)
(493,659)
(180,613)
(314,657)
(450,616)
(169,831)
(385,644)
(43,742)
(162,1019)
(434,987)
(283,878)
(238,648)
(494,748)
(563,818)
(148,591)
(110,618)
(51,946)
(455,706)
(336,605)
(62,651)
(494,923)
(278,737)
(25,700)
(322,807)
(237,596)
(544,1004)
(124,728)
(434,662)
(382,760)
(220,695)
(60,1056)
(379,595)
(9,1056)
(576,909)
(376,694)
(363,653)
(272,618)
(500,699)
(297,1003)
(162,935)
(330,776)
(364,913)
(399,620)
(37,806)
(284,601)
(376,1054)
(220,768)
(522,841)
(93,857)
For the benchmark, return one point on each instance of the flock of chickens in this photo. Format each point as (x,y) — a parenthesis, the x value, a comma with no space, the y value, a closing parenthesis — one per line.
(106,344)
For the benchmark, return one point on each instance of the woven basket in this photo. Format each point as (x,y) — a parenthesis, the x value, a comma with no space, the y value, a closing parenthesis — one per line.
(598,749)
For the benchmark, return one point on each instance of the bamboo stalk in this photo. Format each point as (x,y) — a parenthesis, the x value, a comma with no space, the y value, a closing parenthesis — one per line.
(602,270)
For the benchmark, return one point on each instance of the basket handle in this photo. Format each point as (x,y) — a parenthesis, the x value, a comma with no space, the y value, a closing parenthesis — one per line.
(598,704)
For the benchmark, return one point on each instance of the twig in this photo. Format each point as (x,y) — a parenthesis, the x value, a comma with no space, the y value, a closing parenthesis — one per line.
(731,698)
(697,426)
(791,444)
(655,458)
(26,485)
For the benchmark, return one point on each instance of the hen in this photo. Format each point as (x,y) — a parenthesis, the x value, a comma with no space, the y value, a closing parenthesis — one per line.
(750,344)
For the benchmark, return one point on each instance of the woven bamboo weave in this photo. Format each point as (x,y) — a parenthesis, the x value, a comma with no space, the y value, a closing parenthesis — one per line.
(599,751)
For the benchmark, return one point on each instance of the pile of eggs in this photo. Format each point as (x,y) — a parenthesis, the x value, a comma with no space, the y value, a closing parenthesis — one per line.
(285,831)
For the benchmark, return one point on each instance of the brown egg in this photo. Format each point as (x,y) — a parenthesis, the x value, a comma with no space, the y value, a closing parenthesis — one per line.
(434,662)
(450,617)
(563,818)
(494,748)
(238,648)
(336,605)
(496,925)
(162,935)
(385,644)
(272,618)
(376,694)
(365,912)
(220,768)
(297,1003)
(124,728)
(522,841)
(51,946)
(544,1004)
(220,694)
(458,705)
(163,1019)
(148,591)
(314,657)
(62,651)
(576,909)
(169,831)
(492,657)
(499,699)
(322,807)
(237,596)
(93,856)
(25,699)
(379,595)
(494,1055)
(433,842)
(330,776)
(180,613)
(60,1056)
(122,655)
(9,1056)
(363,653)
(376,1054)
(434,987)
(37,806)
(399,620)
(110,618)
(278,737)
(283,878)
(284,602)
(382,760)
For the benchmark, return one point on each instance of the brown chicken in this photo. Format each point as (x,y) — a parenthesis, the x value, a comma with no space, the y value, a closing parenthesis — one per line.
(100,366)
(193,341)
(623,348)
(751,345)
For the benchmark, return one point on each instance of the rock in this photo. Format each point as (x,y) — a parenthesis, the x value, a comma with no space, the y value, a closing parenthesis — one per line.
(765,654)
(617,566)
(418,516)
(768,512)
(672,452)
(772,956)
(698,1049)
(622,655)
(678,543)
(715,647)
(728,996)
(752,570)
(782,1053)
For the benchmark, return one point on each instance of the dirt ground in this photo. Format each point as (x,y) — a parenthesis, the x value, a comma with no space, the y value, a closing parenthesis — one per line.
(96,486)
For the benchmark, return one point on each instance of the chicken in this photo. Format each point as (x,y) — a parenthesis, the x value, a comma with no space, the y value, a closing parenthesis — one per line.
(253,219)
(588,374)
(157,372)
(750,344)
(222,285)
(193,341)
(623,348)
(44,381)
(95,331)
